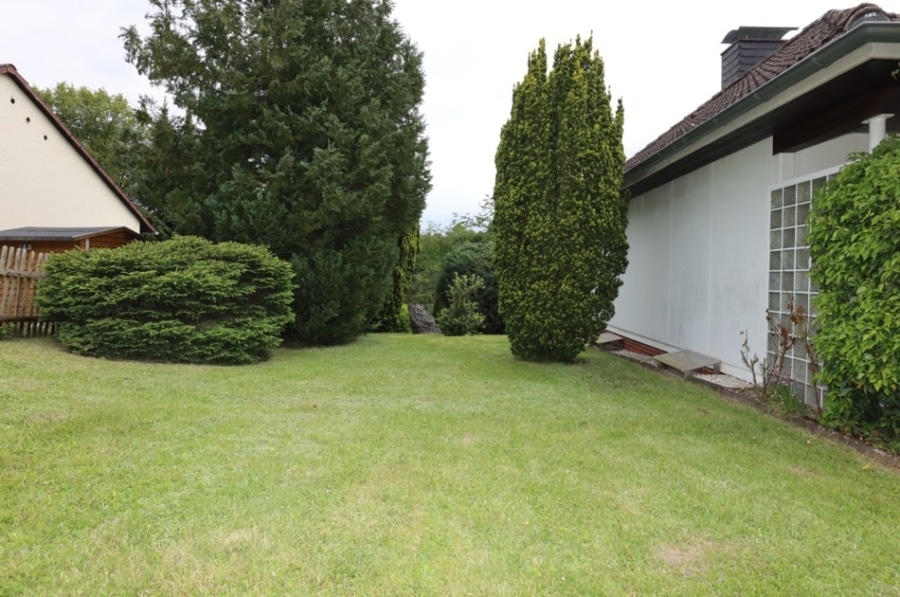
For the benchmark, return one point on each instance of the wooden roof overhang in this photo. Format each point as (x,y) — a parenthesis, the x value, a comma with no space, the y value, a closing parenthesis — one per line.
(827,94)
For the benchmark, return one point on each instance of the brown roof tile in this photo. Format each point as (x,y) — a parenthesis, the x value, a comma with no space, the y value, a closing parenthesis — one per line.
(817,34)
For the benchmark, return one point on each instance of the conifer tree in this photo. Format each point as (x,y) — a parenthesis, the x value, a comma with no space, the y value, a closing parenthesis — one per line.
(394,315)
(560,215)
(302,117)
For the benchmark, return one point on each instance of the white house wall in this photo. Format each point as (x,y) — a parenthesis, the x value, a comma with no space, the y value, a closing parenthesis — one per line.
(654,211)
(690,282)
(698,270)
(43,179)
(698,259)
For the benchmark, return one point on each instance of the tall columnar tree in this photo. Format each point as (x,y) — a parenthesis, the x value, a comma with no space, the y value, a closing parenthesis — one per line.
(394,314)
(559,214)
(305,136)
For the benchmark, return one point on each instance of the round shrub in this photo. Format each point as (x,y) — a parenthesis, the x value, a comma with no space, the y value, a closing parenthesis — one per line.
(853,238)
(472,259)
(185,300)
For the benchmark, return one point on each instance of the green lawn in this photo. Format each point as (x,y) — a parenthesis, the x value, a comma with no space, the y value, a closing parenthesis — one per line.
(411,465)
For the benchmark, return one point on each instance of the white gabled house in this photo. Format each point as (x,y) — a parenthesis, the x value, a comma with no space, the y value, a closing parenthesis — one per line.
(718,203)
(52,188)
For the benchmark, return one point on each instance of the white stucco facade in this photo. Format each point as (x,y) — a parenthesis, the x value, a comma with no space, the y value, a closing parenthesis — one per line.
(44,181)
(698,269)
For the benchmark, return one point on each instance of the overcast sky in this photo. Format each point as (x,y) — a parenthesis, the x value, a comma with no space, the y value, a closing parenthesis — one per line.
(662,59)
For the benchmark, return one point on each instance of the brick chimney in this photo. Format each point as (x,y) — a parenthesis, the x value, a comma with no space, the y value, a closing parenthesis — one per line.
(748,47)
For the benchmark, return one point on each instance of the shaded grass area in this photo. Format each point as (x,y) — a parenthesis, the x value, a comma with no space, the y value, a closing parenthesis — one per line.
(419,465)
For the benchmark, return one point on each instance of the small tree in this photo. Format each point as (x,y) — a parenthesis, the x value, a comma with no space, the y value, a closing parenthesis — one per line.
(461,317)
(853,238)
(559,214)
(435,244)
(476,259)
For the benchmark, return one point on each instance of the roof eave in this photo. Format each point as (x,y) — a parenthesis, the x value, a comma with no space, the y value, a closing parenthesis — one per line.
(61,234)
(694,140)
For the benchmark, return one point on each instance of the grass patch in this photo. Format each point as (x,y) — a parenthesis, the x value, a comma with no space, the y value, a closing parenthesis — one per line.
(419,465)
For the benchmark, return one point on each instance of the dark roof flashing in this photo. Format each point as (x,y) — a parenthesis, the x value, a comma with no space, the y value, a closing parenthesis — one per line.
(756,33)
(874,16)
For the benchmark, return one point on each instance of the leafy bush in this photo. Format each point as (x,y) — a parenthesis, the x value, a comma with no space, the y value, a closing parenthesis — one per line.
(778,390)
(337,294)
(461,316)
(436,242)
(856,266)
(472,259)
(184,300)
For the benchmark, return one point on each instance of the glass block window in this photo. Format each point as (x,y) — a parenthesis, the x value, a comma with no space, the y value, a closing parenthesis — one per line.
(789,265)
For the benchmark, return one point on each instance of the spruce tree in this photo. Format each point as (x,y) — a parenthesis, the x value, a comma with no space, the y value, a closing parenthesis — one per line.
(303,120)
(560,215)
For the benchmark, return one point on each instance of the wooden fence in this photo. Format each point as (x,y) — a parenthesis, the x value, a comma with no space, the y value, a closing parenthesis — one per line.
(19,272)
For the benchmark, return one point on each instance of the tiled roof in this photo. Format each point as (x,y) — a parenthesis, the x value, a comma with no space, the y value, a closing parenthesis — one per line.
(10,71)
(817,34)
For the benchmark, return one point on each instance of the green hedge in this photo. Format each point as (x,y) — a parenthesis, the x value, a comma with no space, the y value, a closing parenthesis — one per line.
(185,300)
(854,238)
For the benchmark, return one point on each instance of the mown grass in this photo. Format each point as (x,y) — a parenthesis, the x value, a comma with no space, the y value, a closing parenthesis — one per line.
(411,465)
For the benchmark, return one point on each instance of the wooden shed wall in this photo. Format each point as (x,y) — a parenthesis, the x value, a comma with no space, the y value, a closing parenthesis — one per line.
(110,241)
